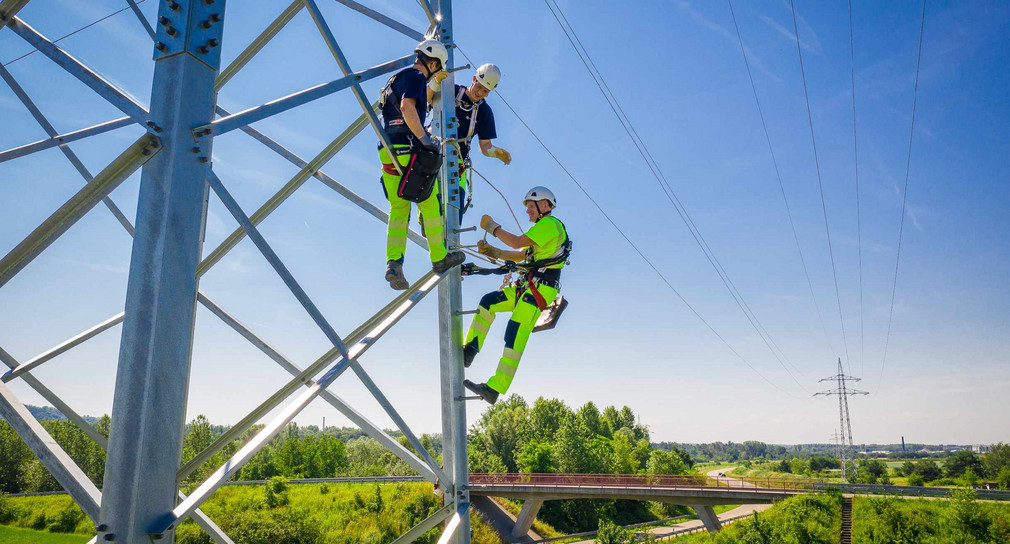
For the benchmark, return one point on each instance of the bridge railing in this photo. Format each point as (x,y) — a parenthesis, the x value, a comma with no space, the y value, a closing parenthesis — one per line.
(642,480)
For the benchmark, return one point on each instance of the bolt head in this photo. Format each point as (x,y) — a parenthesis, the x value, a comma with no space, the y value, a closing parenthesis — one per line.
(160,46)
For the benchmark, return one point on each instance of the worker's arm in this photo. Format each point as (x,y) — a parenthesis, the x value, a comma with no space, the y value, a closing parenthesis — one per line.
(409,110)
(514,256)
(516,241)
(489,150)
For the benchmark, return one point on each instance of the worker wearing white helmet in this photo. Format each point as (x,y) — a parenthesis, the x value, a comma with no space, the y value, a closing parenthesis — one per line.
(540,254)
(475,118)
(404,102)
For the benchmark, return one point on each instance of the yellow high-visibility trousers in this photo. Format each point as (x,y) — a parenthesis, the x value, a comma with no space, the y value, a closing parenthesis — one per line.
(524,317)
(399,212)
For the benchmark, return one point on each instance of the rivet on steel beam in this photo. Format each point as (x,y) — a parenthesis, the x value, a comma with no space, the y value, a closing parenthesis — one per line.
(162,20)
(204,159)
(160,46)
(101,528)
(213,42)
(195,150)
(153,126)
(208,2)
(145,151)
(174,6)
(109,537)
(202,50)
(171,31)
(215,17)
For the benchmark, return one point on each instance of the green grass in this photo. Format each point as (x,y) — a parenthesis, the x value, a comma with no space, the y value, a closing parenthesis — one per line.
(705,468)
(811,519)
(539,527)
(961,520)
(51,513)
(11,535)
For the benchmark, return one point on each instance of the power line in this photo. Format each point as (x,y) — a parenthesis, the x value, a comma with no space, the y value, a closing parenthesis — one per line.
(904,197)
(89,25)
(859,225)
(778,175)
(666,187)
(820,183)
(627,239)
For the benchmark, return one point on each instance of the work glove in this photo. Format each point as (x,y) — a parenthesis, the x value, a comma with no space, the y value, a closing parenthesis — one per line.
(426,141)
(489,224)
(502,155)
(435,83)
(485,248)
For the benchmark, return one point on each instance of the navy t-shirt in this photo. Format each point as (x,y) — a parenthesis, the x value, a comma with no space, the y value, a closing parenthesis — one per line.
(407,83)
(483,129)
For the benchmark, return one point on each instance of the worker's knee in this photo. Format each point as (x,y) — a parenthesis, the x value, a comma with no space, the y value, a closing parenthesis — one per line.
(492,298)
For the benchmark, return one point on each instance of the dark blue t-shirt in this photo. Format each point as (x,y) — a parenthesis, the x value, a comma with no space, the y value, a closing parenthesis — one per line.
(483,126)
(407,83)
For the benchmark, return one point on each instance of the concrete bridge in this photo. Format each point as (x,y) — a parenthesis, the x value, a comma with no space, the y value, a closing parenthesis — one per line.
(695,491)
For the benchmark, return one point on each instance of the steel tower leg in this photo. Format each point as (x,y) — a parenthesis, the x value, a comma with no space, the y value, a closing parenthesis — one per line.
(149,408)
(450,322)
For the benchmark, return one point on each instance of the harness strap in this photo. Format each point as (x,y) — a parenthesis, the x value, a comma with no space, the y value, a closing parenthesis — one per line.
(531,285)
(473,113)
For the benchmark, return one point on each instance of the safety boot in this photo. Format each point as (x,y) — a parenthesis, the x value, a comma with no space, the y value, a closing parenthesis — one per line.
(395,277)
(469,353)
(483,390)
(449,261)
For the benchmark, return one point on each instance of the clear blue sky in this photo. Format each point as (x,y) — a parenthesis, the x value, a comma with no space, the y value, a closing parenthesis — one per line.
(677,69)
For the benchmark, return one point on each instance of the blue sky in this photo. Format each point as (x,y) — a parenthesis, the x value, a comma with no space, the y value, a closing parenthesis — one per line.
(677,70)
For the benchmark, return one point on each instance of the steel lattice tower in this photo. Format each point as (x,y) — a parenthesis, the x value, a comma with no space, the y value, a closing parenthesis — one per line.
(139,500)
(845,423)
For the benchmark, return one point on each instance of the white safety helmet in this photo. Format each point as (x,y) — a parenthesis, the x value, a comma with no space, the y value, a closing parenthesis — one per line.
(541,193)
(435,50)
(489,75)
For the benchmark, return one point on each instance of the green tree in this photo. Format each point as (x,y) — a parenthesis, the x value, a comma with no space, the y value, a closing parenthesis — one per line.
(928,470)
(13,456)
(997,458)
(502,431)
(625,461)
(643,451)
(572,446)
(916,479)
(545,418)
(797,465)
(1003,478)
(666,462)
(536,458)
(962,460)
(591,417)
(611,533)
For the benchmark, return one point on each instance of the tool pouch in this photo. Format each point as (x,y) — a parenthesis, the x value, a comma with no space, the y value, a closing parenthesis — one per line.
(420,174)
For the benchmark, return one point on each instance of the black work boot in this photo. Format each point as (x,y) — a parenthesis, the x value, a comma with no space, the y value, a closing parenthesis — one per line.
(450,260)
(394,275)
(469,353)
(483,390)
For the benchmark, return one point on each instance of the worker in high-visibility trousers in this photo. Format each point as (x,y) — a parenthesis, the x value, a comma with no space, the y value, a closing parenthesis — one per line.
(404,102)
(474,118)
(543,251)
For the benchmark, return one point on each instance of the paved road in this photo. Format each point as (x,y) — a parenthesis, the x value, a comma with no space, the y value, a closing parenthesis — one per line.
(669,531)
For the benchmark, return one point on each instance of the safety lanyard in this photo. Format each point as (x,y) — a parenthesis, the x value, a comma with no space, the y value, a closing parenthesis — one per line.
(473,112)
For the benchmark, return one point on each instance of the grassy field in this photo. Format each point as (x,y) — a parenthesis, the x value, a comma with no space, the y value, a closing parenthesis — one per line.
(765,470)
(11,535)
(273,513)
(811,519)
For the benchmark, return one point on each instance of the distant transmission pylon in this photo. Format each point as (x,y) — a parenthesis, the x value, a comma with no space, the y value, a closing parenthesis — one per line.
(844,422)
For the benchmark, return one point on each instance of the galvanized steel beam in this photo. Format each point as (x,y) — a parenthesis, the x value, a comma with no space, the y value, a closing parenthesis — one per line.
(286,191)
(426,524)
(399,305)
(342,190)
(143,20)
(63,139)
(63,347)
(61,220)
(388,21)
(253,48)
(56,461)
(361,421)
(230,467)
(74,67)
(10,8)
(149,408)
(258,113)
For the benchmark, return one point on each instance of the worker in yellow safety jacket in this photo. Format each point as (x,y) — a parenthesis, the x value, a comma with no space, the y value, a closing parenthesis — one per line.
(542,251)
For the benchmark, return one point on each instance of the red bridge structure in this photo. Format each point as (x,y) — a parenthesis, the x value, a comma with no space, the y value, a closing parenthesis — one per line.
(696,491)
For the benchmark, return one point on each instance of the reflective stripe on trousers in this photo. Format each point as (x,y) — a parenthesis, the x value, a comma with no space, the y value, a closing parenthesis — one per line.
(399,212)
(524,316)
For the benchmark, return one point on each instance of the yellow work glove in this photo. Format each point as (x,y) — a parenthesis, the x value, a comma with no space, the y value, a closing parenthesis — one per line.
(485,248)
(435,83)
(489,224)
(502,155)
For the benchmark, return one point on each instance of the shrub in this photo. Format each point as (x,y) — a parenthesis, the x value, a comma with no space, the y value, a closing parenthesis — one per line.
(275,493)
(611,533)
(65,520)
(1002,481)
(281,526)
(915,479)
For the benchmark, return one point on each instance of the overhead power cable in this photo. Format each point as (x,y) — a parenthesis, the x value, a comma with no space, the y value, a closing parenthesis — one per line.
(820,183)
(664,184)
(778,175)
(904,196)
(859,224)
(628,240)
(65,36)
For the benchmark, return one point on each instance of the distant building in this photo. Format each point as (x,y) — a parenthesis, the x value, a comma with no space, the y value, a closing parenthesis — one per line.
(980,448)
